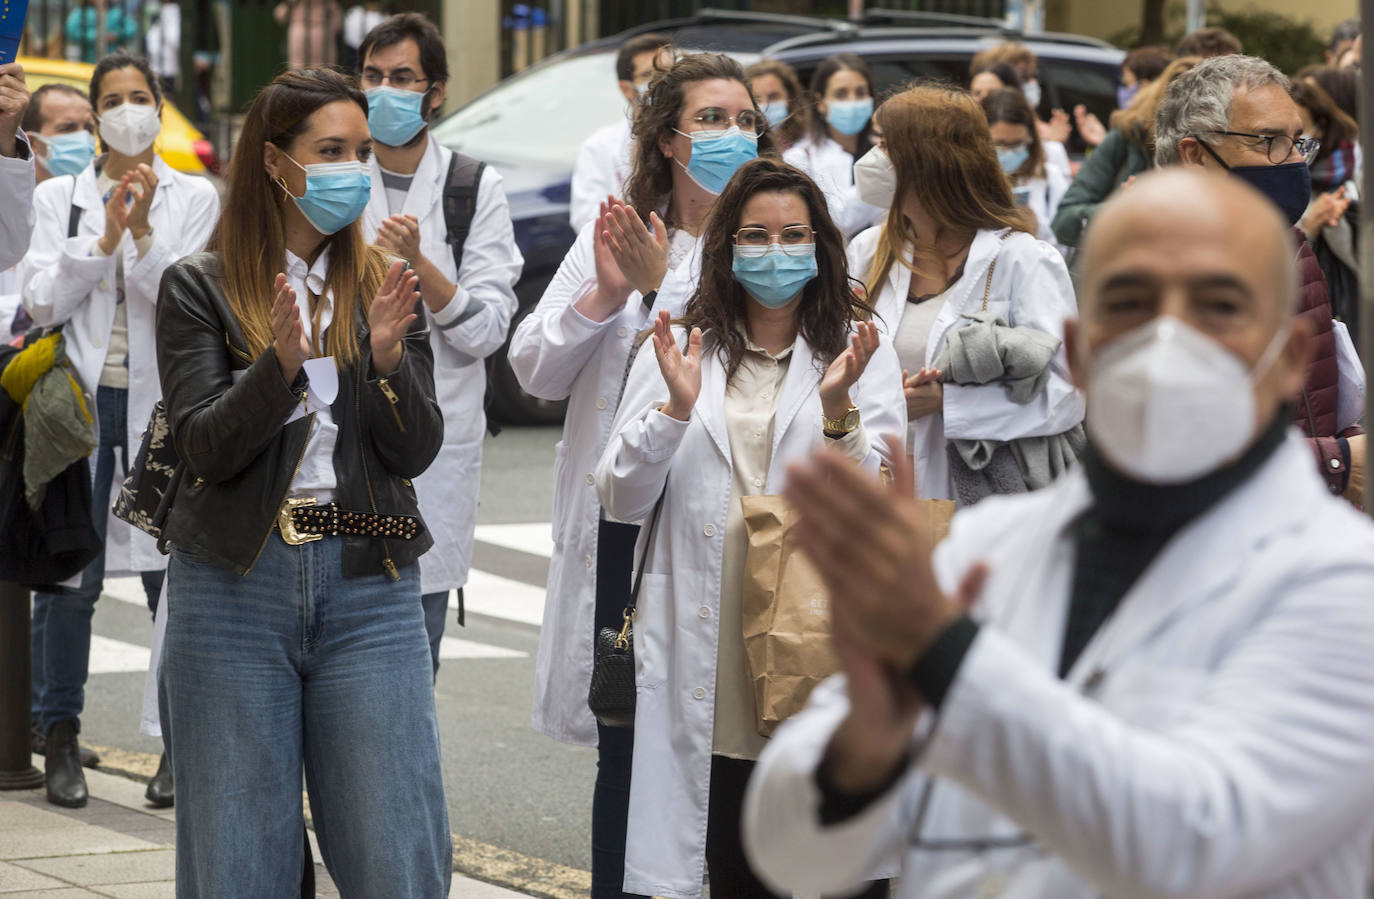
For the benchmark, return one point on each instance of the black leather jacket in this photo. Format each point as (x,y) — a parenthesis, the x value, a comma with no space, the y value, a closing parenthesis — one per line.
(240,459)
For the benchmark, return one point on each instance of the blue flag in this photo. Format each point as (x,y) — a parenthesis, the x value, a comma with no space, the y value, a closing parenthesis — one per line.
(12,14)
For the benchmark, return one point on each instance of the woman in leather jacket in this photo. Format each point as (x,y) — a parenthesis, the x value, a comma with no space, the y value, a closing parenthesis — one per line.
(300,395)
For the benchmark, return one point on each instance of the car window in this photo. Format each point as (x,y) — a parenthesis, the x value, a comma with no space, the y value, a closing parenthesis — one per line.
(541,117)
(1067,83)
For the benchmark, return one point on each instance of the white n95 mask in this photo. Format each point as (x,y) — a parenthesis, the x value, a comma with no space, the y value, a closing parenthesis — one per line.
(1167,404)
(130,128)
(875,180)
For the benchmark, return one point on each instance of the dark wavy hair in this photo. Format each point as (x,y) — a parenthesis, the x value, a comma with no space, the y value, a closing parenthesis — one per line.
(650,184)
(830,303)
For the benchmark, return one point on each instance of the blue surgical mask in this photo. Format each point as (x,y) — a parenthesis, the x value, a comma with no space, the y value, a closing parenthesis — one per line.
(1012,158)
(393,115)
(773,277)
(336,193)
(849,117)
(717,155)
(68,154)
(775,112)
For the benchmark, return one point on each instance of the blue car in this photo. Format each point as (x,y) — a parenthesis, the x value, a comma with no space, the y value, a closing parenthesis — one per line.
(531,125)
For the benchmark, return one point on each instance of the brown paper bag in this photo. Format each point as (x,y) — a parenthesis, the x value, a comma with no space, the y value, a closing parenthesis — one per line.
(785,609)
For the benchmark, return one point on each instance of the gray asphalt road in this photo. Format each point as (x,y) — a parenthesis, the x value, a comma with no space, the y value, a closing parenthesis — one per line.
(507,786)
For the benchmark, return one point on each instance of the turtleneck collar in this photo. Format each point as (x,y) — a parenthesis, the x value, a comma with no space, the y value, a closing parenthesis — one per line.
(1123,503)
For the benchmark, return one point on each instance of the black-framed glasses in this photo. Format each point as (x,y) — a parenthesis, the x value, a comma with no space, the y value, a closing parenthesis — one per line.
(1278,147)
(401,78)
(714,118)
(795,240)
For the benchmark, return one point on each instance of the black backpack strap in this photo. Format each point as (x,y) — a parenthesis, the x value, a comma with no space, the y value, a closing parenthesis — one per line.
(460,202)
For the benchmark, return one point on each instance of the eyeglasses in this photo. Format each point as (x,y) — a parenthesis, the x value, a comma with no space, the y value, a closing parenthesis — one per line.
(795,240)
(1278,147)
(716,119)
(401,78)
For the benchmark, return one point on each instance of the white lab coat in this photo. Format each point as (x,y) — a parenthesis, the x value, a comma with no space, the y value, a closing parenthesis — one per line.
(1057,158)
(1211,741)
(471,327)
(17,179)
(65,283)
(1030,287)
(558,353)
(602,166)
(677,628)
(832,168)
(1045,194)
(11,297)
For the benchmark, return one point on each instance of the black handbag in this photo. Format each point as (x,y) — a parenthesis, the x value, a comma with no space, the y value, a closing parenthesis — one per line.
(612,694)
(145,497)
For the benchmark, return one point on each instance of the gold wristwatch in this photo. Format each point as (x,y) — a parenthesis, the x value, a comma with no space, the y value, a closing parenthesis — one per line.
(845,424)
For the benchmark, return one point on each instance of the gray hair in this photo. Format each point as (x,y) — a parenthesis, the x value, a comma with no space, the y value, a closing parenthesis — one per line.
(1199,101)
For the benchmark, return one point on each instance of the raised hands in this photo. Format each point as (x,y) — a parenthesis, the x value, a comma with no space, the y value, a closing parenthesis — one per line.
(14,100)
(846,370)
(642,256)
(142,185)
(681,371)
(925,395)
(1090,127)
(401,235)
(612,287)
(289,340)
(390,316)
(116,215)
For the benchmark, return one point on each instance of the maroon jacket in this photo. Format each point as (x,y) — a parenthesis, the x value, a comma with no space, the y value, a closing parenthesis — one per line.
(1314,410)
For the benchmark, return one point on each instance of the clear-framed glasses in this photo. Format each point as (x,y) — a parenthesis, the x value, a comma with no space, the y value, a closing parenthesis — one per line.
(1278,147)
(795,240)
(402,79)
(714,118)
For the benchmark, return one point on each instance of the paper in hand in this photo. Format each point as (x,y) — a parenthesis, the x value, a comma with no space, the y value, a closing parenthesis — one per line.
(12,13)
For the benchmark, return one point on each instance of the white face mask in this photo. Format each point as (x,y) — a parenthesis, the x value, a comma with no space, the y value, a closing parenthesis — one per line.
(875,180)
(130,128)
(1167,404)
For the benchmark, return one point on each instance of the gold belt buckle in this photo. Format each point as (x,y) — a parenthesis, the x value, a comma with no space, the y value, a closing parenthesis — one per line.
(287,525)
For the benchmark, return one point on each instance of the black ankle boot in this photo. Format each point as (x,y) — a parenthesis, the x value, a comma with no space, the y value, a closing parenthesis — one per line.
(39,745)
(159,792)
(62,765)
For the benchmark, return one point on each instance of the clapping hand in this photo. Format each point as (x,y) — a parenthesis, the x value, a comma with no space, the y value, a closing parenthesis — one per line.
(14,100)
(142,184)
(117,214)
(289,341)
(640,254)
(1326,211)
(925,395)
(845,371)
(401,235)
(390,316)
(612,287)
(1090,127)
(681,371)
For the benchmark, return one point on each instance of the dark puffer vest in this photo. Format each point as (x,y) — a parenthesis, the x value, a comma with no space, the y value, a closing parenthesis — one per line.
(1314,411)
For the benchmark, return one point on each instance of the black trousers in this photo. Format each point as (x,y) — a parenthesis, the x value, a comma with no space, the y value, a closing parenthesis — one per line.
(615,745)
(726,867)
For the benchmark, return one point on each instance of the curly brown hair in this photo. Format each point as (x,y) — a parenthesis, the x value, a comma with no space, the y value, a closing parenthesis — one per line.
(650,184)
(831,302)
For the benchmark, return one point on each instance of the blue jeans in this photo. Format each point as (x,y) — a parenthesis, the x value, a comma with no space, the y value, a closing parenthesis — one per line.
(294,665)
(61,630)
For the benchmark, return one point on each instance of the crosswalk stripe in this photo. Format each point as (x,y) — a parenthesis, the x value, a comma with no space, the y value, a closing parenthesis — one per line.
(500,597)
(110,656)
(533,537)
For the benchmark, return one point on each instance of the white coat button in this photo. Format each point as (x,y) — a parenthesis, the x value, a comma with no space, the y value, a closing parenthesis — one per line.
(758,432)
(97,342)
(699,693)
(758,482)
(704,612)
(1335,463)
(588,560)
(709,530)
(601,402)
(104,284)
(621,331)
(765,395)
(591,479)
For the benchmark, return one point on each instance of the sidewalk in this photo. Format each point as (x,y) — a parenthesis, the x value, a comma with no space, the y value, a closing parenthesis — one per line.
(115,847)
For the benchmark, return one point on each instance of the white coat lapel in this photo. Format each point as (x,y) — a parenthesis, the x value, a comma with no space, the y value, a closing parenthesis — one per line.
(86,194)
(798,385)
(166,186)
(427,190)
(967,297)
(711,402)
(377,204)
(1205,557)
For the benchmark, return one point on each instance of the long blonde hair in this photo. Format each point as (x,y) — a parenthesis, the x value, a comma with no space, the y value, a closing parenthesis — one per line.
(937,138)
(250,238)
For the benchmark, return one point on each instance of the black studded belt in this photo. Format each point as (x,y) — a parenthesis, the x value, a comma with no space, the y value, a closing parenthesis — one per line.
(302,520)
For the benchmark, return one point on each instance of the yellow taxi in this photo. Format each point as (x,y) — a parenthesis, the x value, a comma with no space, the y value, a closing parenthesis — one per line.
(180,144)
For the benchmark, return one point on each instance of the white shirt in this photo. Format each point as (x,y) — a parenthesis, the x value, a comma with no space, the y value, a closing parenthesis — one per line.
(315,476)
(17,178)
(602,166)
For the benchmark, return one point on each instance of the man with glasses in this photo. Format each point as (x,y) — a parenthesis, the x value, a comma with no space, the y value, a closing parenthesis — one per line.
(1233,114)
(446,214)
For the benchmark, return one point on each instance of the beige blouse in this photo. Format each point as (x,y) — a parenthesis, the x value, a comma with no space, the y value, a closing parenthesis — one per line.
(751,401)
